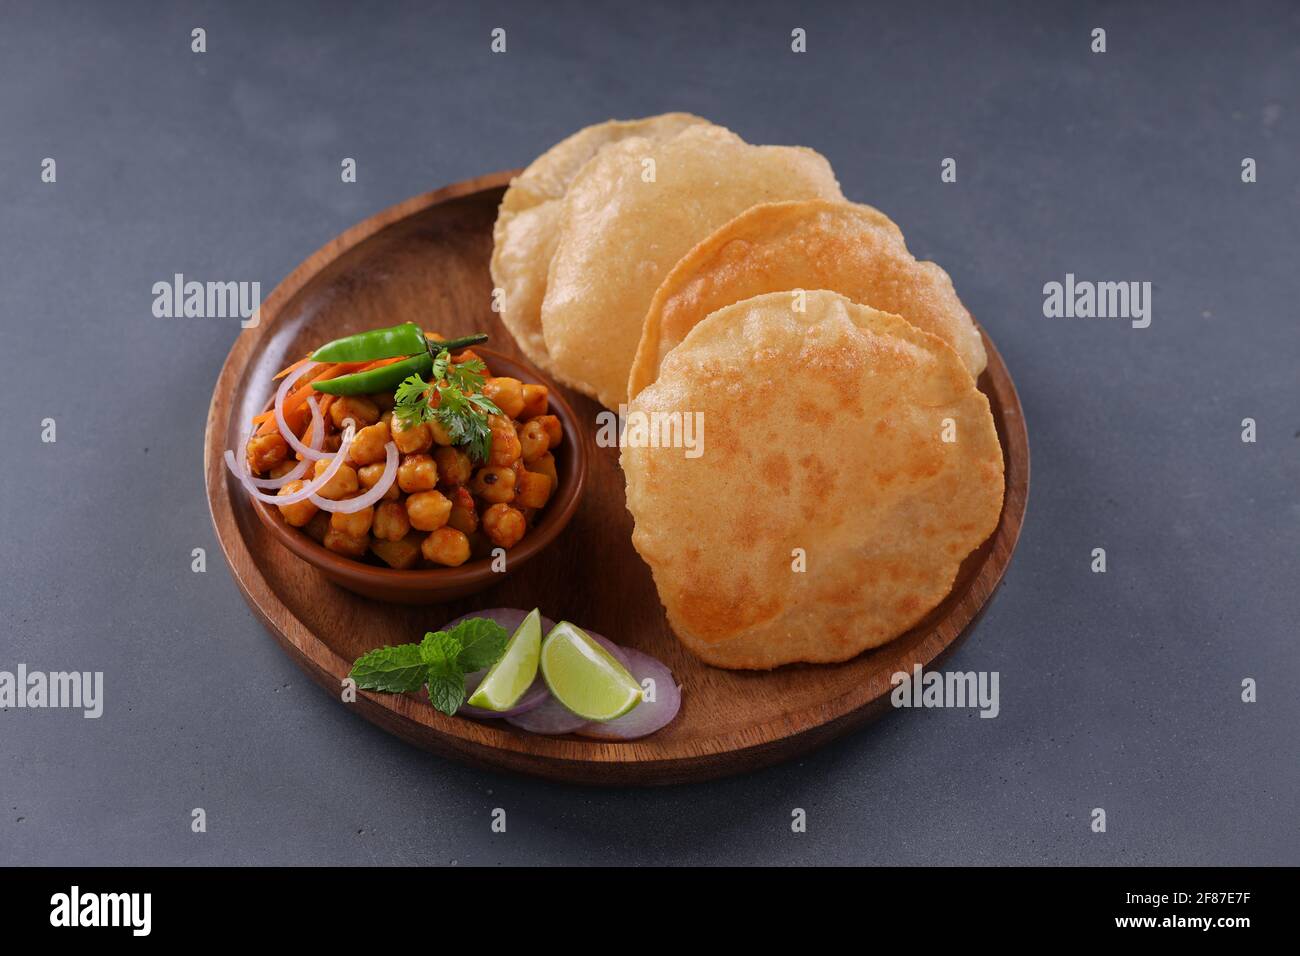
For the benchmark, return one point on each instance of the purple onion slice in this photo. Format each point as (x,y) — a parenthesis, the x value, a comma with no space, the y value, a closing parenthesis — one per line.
(551,717)
(648,716)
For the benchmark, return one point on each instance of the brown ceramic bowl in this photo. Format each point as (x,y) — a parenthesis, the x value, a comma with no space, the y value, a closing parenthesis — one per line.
(436,585)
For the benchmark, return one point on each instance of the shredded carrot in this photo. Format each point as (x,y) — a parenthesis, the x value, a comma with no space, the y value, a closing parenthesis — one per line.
(291,368)
(296,413)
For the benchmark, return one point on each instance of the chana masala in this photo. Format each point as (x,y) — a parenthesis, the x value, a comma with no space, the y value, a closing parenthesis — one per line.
(430,468)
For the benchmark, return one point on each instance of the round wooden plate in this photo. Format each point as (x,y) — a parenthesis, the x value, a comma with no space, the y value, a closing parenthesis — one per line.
(426,260)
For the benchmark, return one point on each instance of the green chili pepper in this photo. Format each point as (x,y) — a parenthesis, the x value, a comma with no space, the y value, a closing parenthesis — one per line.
(405,339)
(383,379)
(389,377)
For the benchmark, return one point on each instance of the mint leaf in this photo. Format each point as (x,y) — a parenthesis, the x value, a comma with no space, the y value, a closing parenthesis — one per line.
(439,651)
(482,642)
(446,693)
(394,669)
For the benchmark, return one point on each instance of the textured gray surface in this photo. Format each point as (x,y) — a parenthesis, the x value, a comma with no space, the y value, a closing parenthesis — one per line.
(1118,690)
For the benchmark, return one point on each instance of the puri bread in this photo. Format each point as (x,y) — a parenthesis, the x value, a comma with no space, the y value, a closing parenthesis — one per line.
(823,431)
(847,248)
(524,236)
(631,212)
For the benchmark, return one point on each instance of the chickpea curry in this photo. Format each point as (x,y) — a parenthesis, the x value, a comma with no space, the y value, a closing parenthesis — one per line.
(423,459)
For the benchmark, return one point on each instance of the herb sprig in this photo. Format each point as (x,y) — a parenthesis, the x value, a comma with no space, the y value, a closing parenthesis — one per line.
(460,407)
(440,661)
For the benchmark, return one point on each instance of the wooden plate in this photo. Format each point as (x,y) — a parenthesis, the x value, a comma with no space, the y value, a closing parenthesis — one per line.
(426,260)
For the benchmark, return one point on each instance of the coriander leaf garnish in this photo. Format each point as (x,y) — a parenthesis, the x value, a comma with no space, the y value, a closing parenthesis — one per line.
(440,661)
(452,398)
(395,669)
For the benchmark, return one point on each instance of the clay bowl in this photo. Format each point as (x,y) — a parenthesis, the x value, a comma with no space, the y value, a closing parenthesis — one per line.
(438,585)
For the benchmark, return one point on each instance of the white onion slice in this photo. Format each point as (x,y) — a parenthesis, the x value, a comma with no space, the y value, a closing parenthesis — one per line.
(380,488)
(648,716)
(317,436)
(308,452)
(303,493)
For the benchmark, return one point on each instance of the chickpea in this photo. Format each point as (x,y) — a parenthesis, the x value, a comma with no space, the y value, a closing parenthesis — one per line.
(369,474)
(464,520)
(504,525)
(318,526)
(391,523)
(266,451)
(282,469)
(384,401)
(535,401)
(299,513)
(417,473)
(454,466)
(343,484)
(439,432)
(464,513)
(368,447)
(354,525)
(554,430)
(411,439)
(346,543)
(356,407)
(505,443)
(546,466)
(533,490)
(428,510)
(507,393)
(446,546)
(494,484)
(533,440)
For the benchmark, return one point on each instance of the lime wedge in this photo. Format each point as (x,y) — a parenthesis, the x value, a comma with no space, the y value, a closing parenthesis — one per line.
(585,677)
(516,669)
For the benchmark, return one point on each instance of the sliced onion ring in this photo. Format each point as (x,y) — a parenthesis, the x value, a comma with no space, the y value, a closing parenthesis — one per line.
(380,488)
(550,717)
(648,716)
(303,493)
(508,617)
(317,436)
(308,452)
(537,694)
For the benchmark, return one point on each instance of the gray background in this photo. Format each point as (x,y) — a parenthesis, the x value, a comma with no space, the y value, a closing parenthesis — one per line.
(1118,690)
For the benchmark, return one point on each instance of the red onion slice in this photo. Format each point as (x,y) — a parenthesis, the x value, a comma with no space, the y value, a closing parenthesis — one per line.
(536,695)
(307,451)
(508,617)
(303,493)
(648,716)
(380,488)
(550,717)
(614,649)
(317,436)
